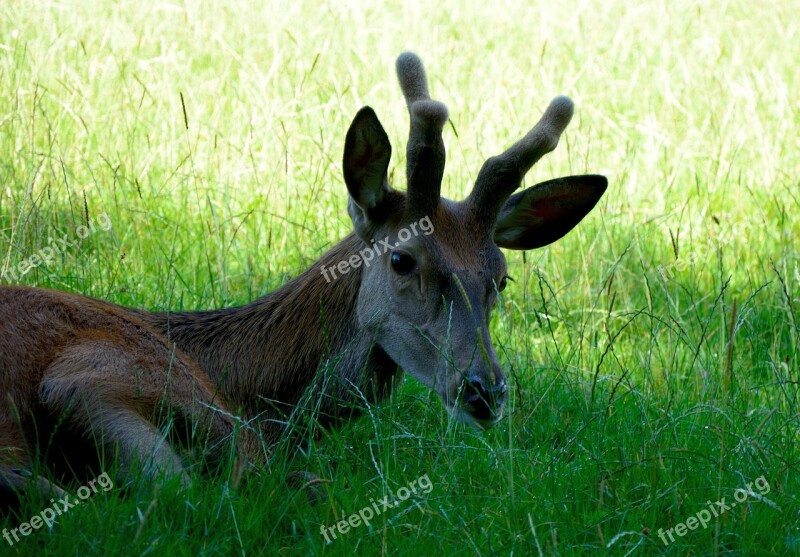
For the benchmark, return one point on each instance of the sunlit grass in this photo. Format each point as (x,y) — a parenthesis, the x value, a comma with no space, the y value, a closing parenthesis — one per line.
(654,350)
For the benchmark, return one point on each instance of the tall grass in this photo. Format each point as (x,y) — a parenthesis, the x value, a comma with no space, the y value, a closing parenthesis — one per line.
(654,350)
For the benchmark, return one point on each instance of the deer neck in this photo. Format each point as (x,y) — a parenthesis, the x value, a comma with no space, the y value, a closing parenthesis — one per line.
(266,354)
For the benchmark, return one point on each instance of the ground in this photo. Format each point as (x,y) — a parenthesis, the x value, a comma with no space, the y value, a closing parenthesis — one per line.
(187,155)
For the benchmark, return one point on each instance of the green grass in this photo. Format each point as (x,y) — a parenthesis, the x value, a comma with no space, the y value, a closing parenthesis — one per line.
(654,351)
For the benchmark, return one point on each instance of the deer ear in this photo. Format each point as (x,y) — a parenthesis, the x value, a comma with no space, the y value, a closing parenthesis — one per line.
(366,160)
(543,213)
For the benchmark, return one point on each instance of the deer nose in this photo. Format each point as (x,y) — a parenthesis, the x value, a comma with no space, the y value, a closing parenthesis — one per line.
(483,402)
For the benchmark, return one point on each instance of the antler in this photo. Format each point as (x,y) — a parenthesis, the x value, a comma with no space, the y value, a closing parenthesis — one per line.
(501,175)
(425,154)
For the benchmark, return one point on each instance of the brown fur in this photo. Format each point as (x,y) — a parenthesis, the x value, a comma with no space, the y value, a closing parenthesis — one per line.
(105,373)
(112,371)
(266,354)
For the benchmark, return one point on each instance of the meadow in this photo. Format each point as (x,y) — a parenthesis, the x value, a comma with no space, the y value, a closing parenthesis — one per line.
(654,352)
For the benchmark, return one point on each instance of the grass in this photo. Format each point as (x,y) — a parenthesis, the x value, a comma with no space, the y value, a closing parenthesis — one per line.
(654,350)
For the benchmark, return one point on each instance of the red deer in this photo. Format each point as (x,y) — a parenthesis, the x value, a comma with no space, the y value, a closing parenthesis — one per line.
(388,298)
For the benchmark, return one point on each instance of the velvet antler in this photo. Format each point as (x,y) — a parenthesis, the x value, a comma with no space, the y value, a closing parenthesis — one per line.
(501,175)
(425,154)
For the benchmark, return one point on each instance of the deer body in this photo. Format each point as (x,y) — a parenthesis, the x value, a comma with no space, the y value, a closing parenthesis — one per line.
(114,376)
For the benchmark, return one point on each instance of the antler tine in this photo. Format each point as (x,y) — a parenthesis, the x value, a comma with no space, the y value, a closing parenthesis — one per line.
(425,153)
(501,175)
(413,81)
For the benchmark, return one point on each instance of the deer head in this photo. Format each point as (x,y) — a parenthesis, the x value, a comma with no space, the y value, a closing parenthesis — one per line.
(432,267)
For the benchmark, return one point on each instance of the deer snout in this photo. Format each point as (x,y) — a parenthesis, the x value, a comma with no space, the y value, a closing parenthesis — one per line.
(484,403)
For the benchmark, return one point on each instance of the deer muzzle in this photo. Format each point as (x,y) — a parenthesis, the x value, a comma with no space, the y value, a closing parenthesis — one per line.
(482,404)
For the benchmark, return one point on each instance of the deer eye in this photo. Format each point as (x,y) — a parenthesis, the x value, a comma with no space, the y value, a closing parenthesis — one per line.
(402,263)
(503,283)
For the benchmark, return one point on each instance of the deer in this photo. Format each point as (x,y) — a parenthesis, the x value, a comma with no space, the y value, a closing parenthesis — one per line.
(233,377)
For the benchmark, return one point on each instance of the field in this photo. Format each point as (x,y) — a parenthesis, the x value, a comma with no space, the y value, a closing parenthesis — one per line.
(654,352)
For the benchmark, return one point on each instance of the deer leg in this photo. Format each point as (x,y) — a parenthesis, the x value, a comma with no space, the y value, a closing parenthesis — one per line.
(212,427)
(117,394)
(116,428)
(93,386)
(15,465)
